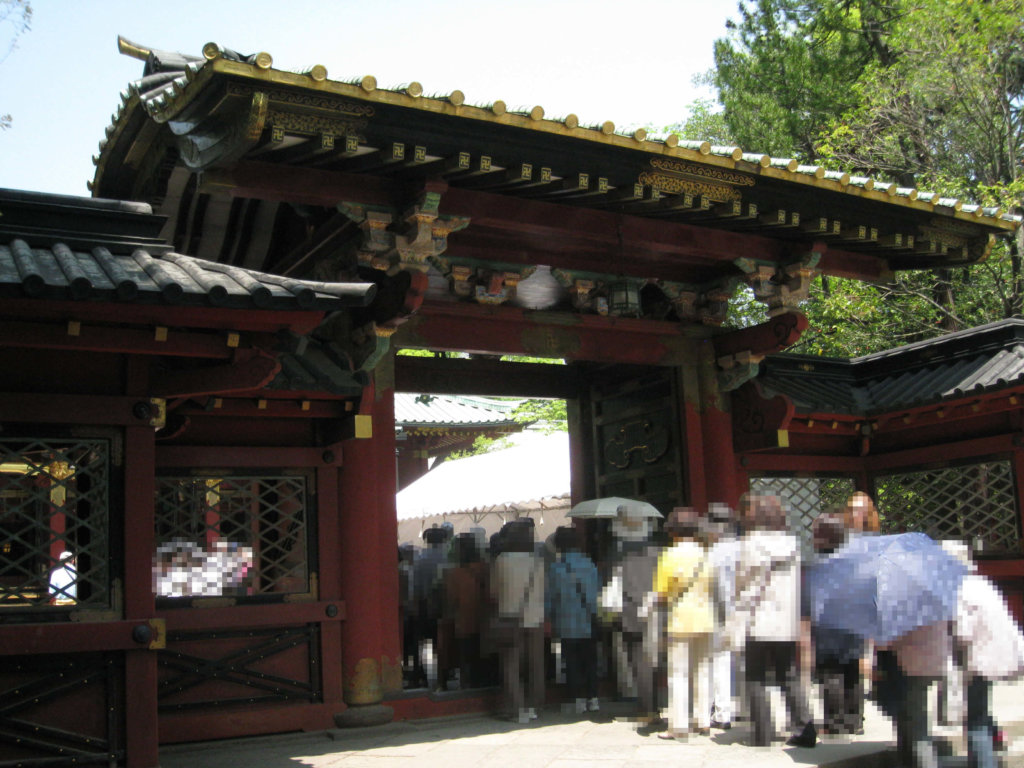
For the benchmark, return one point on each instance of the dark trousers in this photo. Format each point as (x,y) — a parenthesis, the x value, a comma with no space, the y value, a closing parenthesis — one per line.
(914,745)
(980,752)
(771,662)
(643,668)
(580,655)
(842,695)
(524,658)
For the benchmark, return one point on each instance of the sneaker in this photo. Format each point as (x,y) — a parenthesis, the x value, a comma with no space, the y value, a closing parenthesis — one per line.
(593,705)
(581,706)
(725,726)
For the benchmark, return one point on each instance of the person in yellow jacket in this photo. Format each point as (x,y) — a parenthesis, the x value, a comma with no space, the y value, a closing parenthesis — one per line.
(683,582)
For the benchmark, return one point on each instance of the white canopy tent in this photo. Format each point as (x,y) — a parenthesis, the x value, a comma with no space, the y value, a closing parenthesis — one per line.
(530,479)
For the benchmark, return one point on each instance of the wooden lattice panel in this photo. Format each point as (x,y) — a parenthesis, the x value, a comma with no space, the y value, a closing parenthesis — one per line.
(54,523)
(804,498)
(974,503)
(231,535)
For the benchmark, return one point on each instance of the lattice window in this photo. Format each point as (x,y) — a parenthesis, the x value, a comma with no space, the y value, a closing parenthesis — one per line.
(805,498)
(233,535)
(54,522)
(970,503)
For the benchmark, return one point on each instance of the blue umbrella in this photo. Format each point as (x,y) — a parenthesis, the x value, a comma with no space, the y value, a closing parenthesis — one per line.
(882,587)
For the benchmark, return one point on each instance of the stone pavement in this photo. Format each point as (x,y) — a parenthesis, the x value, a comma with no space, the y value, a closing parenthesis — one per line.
(559,740)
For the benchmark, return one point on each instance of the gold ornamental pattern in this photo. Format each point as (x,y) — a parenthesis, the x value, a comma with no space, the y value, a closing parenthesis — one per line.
(683,168)
(677,185)
(290,122)
(316,101)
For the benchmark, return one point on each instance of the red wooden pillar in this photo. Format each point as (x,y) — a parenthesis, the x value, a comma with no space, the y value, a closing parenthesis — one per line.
(368,566)
(141,733)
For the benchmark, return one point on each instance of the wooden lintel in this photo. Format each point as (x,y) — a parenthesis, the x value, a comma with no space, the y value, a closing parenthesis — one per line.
(460,376)
(242,376)
(275,408)
(521,217)
(171,315)
(32,408)
(510,330)
(242,456)
(108,339)
(59,638)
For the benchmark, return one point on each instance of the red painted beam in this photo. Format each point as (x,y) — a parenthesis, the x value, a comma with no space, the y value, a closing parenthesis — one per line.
(94,338)
(171,315)
(271,408)
(943,452)
(509,330)
(775,334)
(80,637)
(245,456)
(774,462)
(236,616)
(73,409)
(242,376)
(625,234)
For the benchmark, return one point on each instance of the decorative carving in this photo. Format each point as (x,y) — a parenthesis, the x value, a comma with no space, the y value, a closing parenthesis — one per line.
(737,370)
(636,437)
(425,235)
(586,290)
(702,171)
(469,279)
(305,99)
(705,304)
(312,125)
(759,421)
(717,192)
(781,288)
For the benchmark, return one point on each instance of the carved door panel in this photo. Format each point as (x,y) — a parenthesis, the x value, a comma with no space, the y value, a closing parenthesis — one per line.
(636,437)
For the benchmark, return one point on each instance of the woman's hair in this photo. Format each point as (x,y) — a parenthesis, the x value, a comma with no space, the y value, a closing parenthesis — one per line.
(829,532)
(768,513)
(860,514)
(683,523)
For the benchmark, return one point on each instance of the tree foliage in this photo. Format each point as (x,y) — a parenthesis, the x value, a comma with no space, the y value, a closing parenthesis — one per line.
(15,20)
(927,93)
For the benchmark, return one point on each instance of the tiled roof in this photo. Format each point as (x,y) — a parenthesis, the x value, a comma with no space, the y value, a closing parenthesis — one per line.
(171,80)
(418,410)
(39,261)
(989,357)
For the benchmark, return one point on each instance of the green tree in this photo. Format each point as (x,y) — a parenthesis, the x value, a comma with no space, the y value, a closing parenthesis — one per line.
(15,20)
(927,93)
(786,66)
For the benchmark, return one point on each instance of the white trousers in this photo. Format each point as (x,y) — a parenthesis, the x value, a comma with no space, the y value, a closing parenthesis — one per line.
(689,682)
(721,686)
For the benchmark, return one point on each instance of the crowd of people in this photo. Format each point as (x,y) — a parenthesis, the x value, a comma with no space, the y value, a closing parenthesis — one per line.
(698,618)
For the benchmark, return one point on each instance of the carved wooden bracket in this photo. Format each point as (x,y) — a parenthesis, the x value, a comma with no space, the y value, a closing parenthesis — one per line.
(587,292)
(706,304)
(782,288)
(421,236)
(470,280)
(737,369)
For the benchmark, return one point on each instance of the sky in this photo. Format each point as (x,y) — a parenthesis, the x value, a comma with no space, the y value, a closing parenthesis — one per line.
(629,62)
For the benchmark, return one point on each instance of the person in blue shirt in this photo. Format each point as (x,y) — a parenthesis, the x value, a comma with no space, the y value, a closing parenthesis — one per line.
(570,603)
